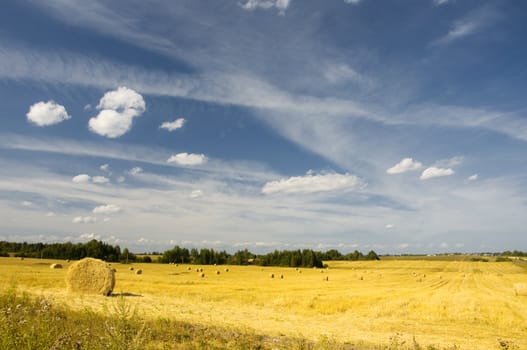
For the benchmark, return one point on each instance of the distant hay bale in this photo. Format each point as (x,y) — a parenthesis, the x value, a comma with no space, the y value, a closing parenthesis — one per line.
(189,268)
(326,278)
(139,272)
(282,277)
(202,275)
(361,278)
(91,276)
(217,272)
(271,275)
(226,270)
(131,268)
(55,266)
(520,289)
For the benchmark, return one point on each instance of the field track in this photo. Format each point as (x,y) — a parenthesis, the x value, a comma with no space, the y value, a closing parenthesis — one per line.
(471,305)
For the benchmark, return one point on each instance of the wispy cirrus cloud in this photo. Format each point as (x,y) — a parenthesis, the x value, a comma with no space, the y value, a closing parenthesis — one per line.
(472,23)
(313,183)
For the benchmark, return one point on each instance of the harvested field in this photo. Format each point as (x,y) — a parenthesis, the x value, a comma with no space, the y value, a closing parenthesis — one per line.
(470,305)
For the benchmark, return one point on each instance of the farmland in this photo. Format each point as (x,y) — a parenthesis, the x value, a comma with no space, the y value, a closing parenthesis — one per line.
(392,303)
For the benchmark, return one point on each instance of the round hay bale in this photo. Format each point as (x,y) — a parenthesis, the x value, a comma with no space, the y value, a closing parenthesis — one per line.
(217,272)
(55,266)
(226,270)
(139,272)
(326,278)
(91,276)
(271,275)
(202,275)
(131,268)
(282,277)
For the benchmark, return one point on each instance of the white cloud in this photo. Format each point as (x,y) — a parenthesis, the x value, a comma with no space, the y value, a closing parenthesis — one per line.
(118,108)
(121,179)
(47,113)
(27,204)
(450,162)
(50,214)
(440,2)
(313,183)
(353,2)
(338,73)
(105,167)
(281,5)
(107,209)
(84,220)
(432,172)
(196,194)
(405,165)
(171,126)
(90,236)
(81,178)
(473,177)
(188,159)
(100,179)
(403,246)
(389,226)
(136,170)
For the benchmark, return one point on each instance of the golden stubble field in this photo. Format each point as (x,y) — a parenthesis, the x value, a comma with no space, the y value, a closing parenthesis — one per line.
(470,305)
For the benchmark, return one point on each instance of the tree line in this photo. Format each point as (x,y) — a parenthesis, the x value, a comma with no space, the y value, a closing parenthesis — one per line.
(204,256)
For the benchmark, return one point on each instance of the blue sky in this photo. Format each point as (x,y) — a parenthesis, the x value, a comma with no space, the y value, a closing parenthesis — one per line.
(398,126)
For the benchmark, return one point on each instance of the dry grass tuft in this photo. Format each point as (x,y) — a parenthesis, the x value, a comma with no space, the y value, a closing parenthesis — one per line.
(520,289)
(91,276)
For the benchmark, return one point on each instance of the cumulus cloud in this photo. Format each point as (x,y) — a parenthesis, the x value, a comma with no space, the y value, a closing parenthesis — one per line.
(440,2)
(107,209)
(312,183)
(432,172)
(473,177)
(188,159)
(136,170)
(281,5)
(389,226)
(117,108)
(90,236)
(405,165)
(27,204)
(353,2)
(47,113)
(100,179)
(121,179)
(84,220)
(81,178)
(171,126)
(105,167)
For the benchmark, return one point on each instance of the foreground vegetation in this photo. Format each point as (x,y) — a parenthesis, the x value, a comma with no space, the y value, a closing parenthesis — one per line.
(395,304)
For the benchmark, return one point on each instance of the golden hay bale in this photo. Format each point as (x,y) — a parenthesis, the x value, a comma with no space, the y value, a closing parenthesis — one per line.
(55,266)
(217,272)
(202,274)
(520,289)
(91,276)
(326,278)
(139,272)
(226,270)
(271,275)
(281,276)
(131,268)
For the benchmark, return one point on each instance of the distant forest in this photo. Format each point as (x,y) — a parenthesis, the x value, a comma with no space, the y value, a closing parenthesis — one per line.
(204,256)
